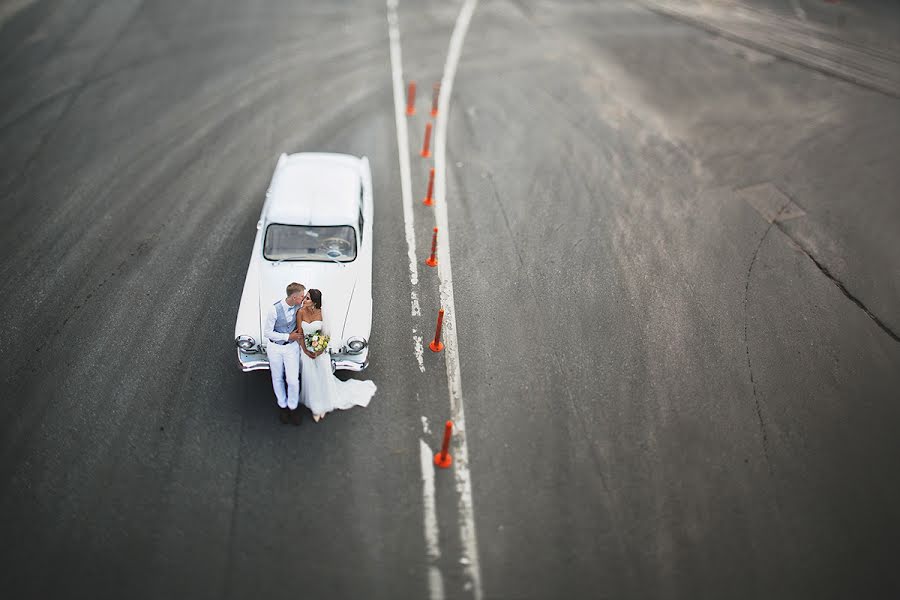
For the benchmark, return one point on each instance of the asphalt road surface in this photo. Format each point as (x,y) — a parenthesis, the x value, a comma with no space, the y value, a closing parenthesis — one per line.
(676,279)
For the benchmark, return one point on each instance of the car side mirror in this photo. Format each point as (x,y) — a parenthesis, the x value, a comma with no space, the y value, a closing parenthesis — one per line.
(259,225)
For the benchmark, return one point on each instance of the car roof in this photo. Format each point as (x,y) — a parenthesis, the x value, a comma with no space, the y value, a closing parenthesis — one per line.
(315,189)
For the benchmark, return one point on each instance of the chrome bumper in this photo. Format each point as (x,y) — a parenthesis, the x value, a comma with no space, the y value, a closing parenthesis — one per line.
(258,361)
(349,365)
(350,362)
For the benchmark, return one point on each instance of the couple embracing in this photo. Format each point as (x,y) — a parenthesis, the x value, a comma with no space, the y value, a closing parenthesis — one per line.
(291,325)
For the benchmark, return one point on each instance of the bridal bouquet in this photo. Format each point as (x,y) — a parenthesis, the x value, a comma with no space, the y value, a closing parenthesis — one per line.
(317,341)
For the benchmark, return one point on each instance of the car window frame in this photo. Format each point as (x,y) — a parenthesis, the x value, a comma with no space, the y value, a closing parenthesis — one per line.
(362,220)
(304,260)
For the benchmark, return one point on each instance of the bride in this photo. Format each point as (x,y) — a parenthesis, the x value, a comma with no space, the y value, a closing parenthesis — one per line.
(320,390)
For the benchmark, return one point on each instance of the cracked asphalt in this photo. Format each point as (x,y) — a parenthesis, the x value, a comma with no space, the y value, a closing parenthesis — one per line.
(669,393)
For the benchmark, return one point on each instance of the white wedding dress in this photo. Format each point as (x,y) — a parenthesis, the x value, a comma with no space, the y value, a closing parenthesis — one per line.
(320,390)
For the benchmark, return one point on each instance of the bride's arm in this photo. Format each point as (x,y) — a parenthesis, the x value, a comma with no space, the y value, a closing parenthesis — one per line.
(303,336)
(324,330)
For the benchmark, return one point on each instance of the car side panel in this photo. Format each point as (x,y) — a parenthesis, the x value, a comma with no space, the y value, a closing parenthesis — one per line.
(249,320)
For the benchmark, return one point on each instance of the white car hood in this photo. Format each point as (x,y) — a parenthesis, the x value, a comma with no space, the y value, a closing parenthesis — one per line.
(334,281)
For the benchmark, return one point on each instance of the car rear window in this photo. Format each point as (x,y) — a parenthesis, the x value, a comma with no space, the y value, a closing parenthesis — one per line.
(310,242)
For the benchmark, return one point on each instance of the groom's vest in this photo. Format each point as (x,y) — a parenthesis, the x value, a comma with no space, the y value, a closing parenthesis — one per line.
(283,323)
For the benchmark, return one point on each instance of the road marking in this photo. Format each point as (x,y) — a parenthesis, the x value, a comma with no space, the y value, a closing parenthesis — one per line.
(445,274)
(432,534)
(469,559)
(420,351)
(403,147)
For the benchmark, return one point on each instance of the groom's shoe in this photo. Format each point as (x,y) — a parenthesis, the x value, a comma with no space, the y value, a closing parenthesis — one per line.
(285,415)
(296,417)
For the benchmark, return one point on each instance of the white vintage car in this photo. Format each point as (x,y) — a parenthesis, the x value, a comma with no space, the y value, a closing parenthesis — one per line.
(315,229)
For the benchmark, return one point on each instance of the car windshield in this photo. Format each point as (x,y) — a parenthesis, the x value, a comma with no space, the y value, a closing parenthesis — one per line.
(310,242)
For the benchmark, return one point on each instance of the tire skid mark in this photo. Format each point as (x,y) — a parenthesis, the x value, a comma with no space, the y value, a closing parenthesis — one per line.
(77,91)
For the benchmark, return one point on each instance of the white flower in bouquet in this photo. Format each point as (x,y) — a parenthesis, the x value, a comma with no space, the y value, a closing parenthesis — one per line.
(317,341)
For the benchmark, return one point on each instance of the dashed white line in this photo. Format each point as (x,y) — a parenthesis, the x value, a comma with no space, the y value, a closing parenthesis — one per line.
(432,534)
(420,351)
(445,274)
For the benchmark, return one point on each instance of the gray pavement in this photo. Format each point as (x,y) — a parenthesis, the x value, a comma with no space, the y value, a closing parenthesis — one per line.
(859,44)
(667,395)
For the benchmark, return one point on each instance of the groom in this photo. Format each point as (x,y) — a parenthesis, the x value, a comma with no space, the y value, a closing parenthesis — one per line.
(284,351)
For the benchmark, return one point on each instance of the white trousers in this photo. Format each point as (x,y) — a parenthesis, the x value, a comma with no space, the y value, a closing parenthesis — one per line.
(284,364)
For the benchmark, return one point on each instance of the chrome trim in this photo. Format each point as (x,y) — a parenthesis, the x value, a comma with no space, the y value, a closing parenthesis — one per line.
(348,350)
(251,365)
(348,365)
(260,364)
(253,348)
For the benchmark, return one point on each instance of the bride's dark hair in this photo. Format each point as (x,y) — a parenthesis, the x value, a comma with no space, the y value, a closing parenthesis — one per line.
(316,297)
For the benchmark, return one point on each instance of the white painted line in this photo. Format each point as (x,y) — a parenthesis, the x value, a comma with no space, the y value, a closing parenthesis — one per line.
(426,429)
(435,583)
(403,145)
(432,536)
(420,351)
(461,468)
(451,348)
